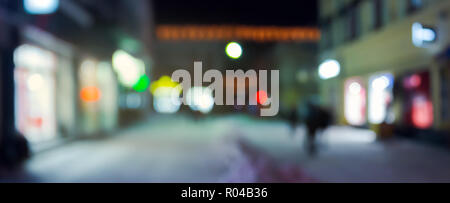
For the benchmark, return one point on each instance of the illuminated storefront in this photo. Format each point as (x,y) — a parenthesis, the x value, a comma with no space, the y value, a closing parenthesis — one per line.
(35,92)
(381,98)
(406,75)
(418,106)
(98,95)
(355,101)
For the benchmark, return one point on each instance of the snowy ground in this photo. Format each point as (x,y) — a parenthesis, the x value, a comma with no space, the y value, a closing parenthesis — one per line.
(234,149)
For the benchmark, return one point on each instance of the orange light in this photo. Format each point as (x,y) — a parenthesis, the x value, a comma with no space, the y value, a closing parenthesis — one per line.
(239,32)
(90,94)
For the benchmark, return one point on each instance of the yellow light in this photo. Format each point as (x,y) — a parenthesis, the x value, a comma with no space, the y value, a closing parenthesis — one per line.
(164,81)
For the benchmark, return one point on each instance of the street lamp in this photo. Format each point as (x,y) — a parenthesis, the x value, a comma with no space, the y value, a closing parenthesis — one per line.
(233,50)
(329,69)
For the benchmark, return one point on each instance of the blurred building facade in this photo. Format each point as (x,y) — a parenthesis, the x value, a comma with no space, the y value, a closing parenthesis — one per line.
(394,62)
(58,79)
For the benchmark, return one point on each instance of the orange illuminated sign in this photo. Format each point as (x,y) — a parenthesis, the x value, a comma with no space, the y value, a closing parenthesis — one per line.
(90,94)
(246,33)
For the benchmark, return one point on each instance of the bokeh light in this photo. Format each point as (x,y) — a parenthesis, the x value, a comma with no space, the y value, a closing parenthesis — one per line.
(233,50)
(329,69)
(261,97)
(200,99)
(90,94)
(129,69)
(39,7)
(142,84)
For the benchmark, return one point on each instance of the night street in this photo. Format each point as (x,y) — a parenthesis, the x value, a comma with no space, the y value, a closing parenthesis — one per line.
(225,92)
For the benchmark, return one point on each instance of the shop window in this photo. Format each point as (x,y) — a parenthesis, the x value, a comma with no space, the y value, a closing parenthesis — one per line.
(418,104)
(353,23)
(35,92)
(414,5)
(326,41)
(378,14)
(381,98)
(355,102)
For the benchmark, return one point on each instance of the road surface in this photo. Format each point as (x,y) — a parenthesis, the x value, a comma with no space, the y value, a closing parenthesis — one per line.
(233,149)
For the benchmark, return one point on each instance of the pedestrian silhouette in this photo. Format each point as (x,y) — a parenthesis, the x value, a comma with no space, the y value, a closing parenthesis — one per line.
(293,120)
(317,119)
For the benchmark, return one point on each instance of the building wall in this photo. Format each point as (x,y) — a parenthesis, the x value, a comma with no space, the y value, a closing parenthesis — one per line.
(383,44)
(348,20)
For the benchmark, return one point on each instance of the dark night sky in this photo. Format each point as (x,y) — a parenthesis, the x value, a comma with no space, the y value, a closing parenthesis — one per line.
(281,12)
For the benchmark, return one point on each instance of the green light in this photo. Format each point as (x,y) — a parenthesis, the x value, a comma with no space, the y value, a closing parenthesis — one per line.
(233,50)
(142,84)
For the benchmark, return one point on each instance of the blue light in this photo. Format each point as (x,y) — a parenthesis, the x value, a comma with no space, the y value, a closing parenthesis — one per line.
(422,35)
(40,7)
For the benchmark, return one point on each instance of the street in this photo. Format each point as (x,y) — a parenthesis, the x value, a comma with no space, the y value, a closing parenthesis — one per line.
(234,149)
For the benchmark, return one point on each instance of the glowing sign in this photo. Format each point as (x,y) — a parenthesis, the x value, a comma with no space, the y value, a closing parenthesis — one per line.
(238,32)
(422,112)
(39,7)
(422,35)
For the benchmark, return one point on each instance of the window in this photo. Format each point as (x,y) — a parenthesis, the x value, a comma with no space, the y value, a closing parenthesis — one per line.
(418,105)
(445,93)
(414,5)
(378,6)
(353,24)
(381,98)
(326,39)
(355,102)
(367,16)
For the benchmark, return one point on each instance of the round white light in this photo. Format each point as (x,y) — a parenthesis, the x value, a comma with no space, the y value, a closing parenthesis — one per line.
(35,82)
(39,7)
(166,101)
(329,69)
(381,83)
(355,88)
(128,68)
(200,99)
(234,50)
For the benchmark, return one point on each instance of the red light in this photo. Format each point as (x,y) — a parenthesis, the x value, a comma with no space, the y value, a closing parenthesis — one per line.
(422,112)
(90,94)
(261,97)
(415,81)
